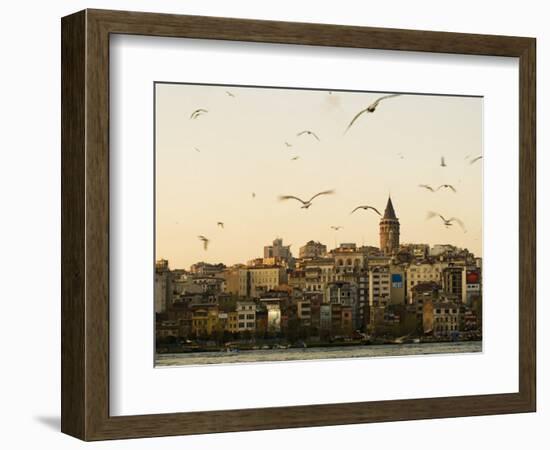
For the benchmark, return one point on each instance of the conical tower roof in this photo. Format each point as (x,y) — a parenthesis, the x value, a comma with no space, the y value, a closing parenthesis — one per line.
(389,213)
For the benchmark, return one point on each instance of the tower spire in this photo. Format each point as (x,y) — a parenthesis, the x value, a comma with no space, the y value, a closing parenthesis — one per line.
(389,213)
(389,230)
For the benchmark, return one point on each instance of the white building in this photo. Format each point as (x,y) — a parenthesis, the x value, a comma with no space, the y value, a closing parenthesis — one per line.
(246,316)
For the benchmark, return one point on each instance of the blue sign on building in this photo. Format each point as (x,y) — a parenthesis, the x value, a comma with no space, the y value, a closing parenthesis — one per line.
(396,280)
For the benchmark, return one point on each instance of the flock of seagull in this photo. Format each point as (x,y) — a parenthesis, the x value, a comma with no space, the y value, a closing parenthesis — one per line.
(305,204)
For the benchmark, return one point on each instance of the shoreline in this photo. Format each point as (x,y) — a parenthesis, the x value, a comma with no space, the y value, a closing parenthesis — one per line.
(317,353)
(246,347)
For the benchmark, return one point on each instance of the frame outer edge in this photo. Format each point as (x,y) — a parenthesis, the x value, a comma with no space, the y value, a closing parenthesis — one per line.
(85,225)
(73,226)
(528,224)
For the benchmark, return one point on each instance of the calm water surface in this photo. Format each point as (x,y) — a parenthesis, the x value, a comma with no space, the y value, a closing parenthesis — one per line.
(297,354)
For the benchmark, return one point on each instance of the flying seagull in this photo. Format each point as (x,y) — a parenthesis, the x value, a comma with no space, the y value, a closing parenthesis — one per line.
(295,158)
(205,241)
(220,224)
(369,109)
(308,132)
(336,228)
(305,204)
(477,158)
(198,112)
(446,222)
(287,144)
(230,94)
(197,150)
(366,207)
(447,186)
(442,164)
(253,195)
(425,186)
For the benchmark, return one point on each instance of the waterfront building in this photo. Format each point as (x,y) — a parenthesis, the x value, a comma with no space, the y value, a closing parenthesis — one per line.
(303,312)
(325,318)
(163,286)
(246,315)
(345,293)
(204,320)
(232,324)
(273,317)
(445,318)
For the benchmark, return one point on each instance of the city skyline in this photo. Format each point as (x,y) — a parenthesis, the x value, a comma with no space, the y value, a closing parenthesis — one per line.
(200,182)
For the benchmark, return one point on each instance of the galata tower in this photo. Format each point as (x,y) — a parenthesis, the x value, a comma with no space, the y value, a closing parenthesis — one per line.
(389,230)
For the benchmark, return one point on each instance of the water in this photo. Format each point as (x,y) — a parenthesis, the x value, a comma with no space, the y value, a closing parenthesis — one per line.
(300,354)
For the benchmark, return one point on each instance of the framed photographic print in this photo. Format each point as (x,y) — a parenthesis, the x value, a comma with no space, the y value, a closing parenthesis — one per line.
(273,225)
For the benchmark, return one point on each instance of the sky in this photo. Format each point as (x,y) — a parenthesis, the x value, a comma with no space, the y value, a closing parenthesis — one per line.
(207,169)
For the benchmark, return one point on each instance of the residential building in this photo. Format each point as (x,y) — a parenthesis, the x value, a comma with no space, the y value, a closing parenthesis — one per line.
(454,281)
(246,315)
(278,250)
(345,293)
(254,281)
(420,273)
(163,286)
(313,249)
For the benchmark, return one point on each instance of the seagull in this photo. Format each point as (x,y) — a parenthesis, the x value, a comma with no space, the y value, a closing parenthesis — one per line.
(295,158)
(205,241)
(366,207)
(447,186)
(196,149)
(195,114)
(220,224)
(369,109)
(442,164)
(446,222)
(477,158)
(287,144)
(253,195)
(305,204)
(230,94)
(308,132)
(336,228)
(425,186)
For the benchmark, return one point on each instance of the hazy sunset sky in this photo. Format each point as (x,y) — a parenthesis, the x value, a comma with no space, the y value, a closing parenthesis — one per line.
(241,143)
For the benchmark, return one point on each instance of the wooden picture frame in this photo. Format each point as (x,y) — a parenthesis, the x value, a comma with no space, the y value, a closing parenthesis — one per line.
(85,224)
